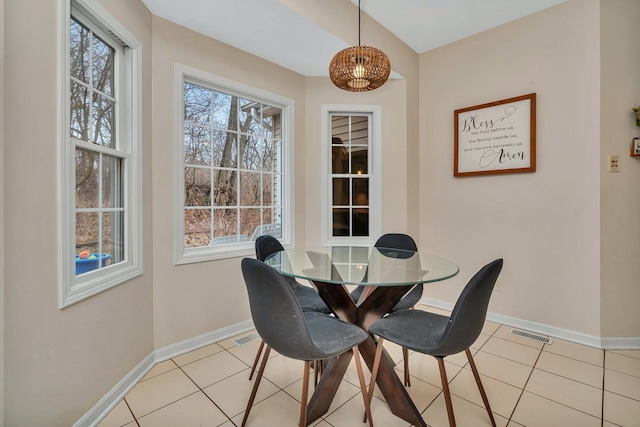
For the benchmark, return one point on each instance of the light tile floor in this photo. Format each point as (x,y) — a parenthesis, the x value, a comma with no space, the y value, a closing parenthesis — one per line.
(528,383)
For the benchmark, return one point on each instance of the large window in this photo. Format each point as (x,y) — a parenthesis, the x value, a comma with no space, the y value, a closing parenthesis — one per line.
(100,154)
(234,175)
(353,174)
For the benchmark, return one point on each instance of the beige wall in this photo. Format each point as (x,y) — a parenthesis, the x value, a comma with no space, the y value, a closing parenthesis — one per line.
(59,362)
(193,299)
(620,194)
(546,225)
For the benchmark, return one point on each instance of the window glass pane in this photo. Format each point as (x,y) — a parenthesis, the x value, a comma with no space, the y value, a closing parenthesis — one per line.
(225,149)
(225,222)
(272,222)
(197,104)
(197,145)
(113,236)
(360,222)
(197,227)
(103,66)
(79,109)
(225,191)
(225,113)
(359,130)
(250,156)
(339,157)
(197,187)
(112,190)
(270,153)
(340,222)
(340,128)
(79,52)
(86,184)
(269,116)
(250,189)
(359,160)
(250,118)
(360,191)
(249,220)
(270,189)
(87,232)
(341,191)
(102,118)
(246,113)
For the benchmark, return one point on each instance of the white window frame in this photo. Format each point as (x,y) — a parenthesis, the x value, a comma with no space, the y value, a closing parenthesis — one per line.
(184,255)
(74,288)
(375,180)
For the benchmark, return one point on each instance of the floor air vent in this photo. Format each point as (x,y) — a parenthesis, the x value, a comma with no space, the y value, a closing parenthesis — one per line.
(247,339)
(531,336)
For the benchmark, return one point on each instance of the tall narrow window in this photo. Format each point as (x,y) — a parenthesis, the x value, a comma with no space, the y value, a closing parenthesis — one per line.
(234,175)
(350,175)
(99,210)
(100,162)
(352,163)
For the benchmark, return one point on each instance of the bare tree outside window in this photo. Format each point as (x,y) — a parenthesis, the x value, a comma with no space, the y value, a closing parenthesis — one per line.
(232,172)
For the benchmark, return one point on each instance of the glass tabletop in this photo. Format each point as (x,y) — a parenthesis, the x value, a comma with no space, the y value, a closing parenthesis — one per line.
(362,265)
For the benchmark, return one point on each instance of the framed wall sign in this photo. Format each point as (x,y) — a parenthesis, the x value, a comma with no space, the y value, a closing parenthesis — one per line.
(498,137)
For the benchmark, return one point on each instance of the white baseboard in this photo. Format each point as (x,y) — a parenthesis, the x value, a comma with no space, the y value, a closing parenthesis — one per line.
(621,343)
(194,343)
(115,395)
(101,409)
(552,331)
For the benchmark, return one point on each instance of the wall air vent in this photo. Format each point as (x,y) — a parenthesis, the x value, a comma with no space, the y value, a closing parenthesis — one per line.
(530,335)
(247,339)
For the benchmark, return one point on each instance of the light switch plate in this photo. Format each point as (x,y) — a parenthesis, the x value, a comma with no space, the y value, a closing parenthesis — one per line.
(614,163)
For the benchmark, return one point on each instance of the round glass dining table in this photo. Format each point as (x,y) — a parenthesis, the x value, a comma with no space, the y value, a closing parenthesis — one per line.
(388,274)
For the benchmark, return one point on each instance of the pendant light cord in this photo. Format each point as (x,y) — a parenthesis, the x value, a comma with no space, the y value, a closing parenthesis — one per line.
(359,13)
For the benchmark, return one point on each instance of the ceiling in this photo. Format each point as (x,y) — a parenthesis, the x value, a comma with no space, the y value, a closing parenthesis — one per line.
(265,27)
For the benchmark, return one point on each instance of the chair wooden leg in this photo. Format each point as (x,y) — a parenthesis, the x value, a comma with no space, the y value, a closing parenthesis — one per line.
(255,362)
(445,390)
(480,387)
(405,356)
(363,386)
(254,391)
(305,394)
(374,374)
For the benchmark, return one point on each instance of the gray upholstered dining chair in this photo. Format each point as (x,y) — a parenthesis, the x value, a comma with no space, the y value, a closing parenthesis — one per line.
(404,242)
(309,299)
(441,336)
(308,336)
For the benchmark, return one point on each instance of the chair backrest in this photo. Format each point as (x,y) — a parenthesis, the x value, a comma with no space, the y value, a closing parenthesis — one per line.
(276,312)
(470,311)
(396,241)
(267,245)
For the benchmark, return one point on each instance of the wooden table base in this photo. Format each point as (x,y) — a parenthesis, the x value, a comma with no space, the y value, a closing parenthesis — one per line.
(376,305)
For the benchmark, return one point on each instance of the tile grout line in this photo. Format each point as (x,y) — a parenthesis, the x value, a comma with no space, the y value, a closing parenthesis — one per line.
(203,392)
(526,382)
(132,414)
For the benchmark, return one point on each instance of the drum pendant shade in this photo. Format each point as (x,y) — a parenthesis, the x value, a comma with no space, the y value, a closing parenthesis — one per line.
(359,68)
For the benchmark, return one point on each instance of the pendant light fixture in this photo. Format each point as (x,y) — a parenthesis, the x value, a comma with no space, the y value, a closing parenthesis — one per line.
(359,68)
